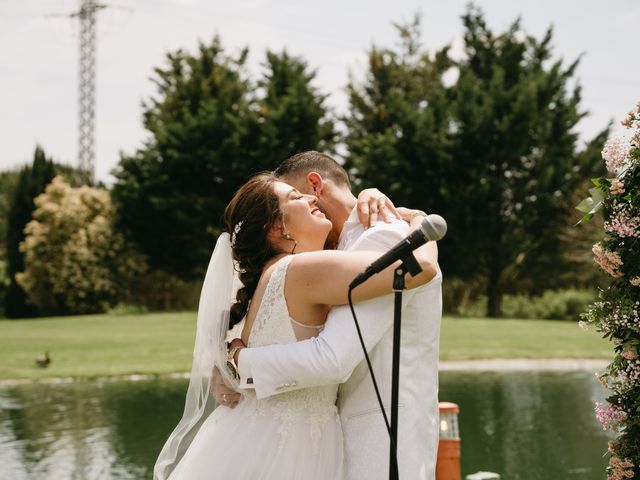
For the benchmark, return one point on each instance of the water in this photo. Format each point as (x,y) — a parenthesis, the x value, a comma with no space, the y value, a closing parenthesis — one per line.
(529,426)
(526,426)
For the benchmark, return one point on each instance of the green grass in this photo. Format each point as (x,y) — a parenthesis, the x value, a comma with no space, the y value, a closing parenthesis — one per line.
(158,343)
(97,345)
(481,338)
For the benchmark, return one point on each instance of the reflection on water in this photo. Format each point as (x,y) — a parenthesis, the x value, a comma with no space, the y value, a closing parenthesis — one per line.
(529,426)
(111,430)
(526,426)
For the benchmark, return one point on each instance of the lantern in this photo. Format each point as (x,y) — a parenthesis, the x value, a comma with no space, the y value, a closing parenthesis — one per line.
(448,466)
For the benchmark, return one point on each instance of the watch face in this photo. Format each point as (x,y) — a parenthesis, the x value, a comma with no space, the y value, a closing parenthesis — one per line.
(233,371)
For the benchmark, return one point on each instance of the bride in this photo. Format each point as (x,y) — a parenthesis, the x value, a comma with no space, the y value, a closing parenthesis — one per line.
(288,285)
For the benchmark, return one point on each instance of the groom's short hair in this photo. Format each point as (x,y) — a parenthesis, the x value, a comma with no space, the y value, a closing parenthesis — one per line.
(312,161)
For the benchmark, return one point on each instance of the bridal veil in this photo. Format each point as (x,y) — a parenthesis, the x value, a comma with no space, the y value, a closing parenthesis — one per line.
(218,293)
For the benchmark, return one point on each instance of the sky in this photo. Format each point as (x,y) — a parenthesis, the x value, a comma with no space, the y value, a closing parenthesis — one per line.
(39,56)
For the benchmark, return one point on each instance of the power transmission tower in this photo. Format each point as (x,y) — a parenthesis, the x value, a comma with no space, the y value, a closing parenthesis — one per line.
(87,87)
(87,84)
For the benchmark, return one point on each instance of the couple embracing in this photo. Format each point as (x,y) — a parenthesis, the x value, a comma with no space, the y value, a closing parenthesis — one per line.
(295,394)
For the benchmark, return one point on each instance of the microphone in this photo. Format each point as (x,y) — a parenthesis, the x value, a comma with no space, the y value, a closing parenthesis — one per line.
(433,227)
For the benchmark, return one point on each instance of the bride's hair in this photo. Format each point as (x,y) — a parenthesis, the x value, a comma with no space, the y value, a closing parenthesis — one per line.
(252,212)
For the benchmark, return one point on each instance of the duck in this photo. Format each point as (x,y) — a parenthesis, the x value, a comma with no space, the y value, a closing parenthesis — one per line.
(44,361)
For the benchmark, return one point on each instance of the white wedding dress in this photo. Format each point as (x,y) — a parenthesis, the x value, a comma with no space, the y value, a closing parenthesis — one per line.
(291,436)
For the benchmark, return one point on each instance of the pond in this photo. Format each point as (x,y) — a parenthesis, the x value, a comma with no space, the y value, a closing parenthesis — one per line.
(525,426)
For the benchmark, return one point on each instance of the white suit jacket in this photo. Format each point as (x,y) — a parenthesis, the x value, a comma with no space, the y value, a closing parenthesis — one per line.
(335,356)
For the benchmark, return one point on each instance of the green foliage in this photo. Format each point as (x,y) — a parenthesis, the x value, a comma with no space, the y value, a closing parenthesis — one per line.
(4,284)
(210,128)
(496,153)
(8,181)
(74,260)
(551,305)
(169,293)
(291,113)
(617,313)
(31,181)
(398,121)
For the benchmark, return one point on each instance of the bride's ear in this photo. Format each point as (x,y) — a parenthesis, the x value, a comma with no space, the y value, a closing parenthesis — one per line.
(275,234)
(315,183)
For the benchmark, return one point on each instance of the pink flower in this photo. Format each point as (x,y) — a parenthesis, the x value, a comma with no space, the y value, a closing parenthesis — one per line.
(615,154)
(635,281)
(623,222)
(621,469)
(610,417)
(630,354)
(617,187)
(609,261)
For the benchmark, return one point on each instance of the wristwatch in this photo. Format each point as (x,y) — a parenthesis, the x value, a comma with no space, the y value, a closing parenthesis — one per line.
(231,363)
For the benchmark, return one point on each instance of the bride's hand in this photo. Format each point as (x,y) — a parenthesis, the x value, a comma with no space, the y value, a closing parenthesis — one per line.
(371,203)
(408,214)
(222,392)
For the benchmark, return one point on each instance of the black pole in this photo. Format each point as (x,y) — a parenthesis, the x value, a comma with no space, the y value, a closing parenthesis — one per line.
(398,286)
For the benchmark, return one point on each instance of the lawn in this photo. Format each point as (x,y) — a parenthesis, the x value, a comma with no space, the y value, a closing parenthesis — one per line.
(97,345)
(159,343)
(481,338)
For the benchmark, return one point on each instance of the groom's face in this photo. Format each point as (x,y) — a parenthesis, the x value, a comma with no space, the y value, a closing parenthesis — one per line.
(300,183)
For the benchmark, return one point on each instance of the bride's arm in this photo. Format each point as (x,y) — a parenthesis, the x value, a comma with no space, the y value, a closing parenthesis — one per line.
(324,277)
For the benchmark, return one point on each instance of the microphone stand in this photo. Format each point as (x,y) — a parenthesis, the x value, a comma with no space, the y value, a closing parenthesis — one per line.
(409,264)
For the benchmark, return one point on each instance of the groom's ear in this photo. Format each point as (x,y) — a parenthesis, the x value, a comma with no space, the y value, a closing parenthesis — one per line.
(315,183)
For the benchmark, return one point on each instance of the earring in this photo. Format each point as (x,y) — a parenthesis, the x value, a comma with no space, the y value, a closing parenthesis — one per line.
(295,243)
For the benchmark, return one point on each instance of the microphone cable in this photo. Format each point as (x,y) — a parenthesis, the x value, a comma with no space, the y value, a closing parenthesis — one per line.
(373,378)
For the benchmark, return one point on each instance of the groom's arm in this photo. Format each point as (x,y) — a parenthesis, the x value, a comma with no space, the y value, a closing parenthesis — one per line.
(331,357)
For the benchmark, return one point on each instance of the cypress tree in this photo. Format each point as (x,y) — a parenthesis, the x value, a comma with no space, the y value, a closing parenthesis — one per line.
(31,182)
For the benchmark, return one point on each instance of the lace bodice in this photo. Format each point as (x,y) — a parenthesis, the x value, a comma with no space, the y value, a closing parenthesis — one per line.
(312,406)
(273,324)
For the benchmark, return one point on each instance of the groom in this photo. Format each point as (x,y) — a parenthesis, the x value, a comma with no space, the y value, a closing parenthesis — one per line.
(335,356)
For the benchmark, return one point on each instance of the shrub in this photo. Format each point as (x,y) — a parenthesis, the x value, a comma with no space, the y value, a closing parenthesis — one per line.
(551,305)
(161,291)
(75,261)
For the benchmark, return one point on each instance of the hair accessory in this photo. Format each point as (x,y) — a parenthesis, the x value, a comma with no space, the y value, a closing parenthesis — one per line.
(236,230)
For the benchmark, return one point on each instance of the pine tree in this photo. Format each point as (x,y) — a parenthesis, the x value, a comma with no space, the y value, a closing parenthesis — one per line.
(292,115)
(494,151)
(31,182)
(515,146)
(210,128)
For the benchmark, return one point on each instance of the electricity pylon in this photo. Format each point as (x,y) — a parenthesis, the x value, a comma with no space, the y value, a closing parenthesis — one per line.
(87,87)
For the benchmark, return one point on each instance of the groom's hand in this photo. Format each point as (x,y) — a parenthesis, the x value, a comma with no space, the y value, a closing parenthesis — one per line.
(222,392)
(371,203)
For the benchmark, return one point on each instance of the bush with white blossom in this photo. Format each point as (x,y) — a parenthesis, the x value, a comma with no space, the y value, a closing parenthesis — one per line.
(617,312)
(75,261)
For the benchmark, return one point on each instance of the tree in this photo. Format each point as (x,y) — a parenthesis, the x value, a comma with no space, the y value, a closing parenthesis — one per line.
(494,151)
(31,181)
(515,143)
(8,182)
(398,120)
(292,115)
(210,128)
(74,259)
(398,124)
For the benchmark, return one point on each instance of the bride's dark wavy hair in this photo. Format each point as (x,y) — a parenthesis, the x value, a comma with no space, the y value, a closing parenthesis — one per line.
(257,206)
